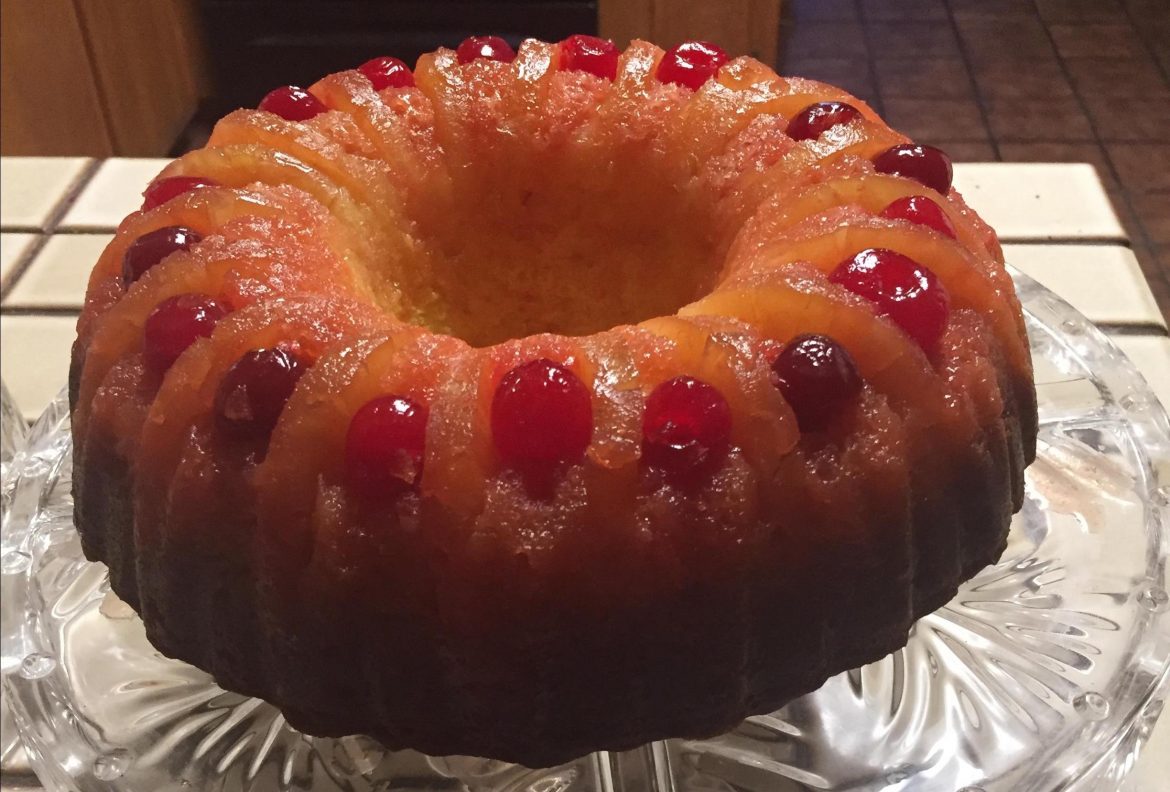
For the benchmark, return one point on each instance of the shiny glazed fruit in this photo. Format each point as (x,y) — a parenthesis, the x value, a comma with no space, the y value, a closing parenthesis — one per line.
(814,120)
(922,210)
(387,72)
(489,47)
(901,288)
(691,64)
(292,103)
(596,56)
(162,190)
(925,164)
(252,394)
(686,429)
(542,417)
(817,377)
(385,446)
(175,324)
(154,246)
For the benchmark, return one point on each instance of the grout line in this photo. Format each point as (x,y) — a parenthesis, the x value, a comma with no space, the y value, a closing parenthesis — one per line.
(85,230)
(46,311)
(51,222)
(23,262)
(969,66)
(1077,241)
(72,194)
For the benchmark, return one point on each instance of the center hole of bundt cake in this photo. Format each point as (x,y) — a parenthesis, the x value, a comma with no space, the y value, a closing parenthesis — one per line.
(551,247)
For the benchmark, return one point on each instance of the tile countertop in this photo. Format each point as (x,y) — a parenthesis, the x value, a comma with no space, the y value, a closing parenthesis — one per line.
(1055,220)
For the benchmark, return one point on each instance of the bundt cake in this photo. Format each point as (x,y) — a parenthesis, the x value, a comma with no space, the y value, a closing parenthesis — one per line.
(529,403)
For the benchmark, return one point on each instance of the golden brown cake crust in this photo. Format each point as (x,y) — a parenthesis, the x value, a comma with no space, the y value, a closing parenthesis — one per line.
(473,615)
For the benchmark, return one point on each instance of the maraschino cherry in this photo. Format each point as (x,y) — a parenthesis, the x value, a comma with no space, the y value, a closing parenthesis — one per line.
(818,379)
(542,419)
(175,324)
(923,211)
(154,246)
(486,47)
(385,446)
(901,288)
(292,103)
(686,429)
(925,164)
(162,190)
(816,119)
(590,54)
(387,72)
(253,392)
(691,64)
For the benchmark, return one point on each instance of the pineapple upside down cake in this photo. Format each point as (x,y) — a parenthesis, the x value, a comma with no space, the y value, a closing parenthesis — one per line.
(524,404)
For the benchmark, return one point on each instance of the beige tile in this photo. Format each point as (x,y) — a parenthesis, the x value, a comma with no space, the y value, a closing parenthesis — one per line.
(58,275)
(1151,355)
(34,358)
(1076,273)
(114,192)
(32,187)
(1039,201)
(12,250)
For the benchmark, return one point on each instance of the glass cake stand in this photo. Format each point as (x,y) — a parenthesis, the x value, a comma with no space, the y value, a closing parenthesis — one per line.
(1046,671)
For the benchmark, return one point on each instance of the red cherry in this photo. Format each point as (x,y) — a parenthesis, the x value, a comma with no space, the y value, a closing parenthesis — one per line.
(154,246)
(384,446)
(386,72)
(489,47)
(292,103)
(925,164)
(590,54)
(818,378)
(691,64)
(814,120)
(253,392)
(175,324)
(159,191)
(686,429)
(904,290)
(920,209)
(542,418)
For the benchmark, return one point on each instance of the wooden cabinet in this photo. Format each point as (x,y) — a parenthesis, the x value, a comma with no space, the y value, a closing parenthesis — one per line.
(255,45)
(742,27)
(97,77)
(124,77)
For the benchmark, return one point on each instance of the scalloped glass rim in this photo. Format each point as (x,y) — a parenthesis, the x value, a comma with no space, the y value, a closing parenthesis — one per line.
(1059,691)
